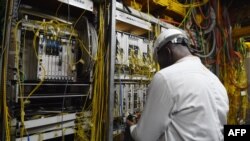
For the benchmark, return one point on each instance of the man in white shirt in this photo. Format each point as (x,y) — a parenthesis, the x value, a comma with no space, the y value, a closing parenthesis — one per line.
(186,102)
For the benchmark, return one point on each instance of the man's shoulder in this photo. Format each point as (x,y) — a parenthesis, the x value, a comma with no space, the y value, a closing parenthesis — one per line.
(164,75)
(171,70)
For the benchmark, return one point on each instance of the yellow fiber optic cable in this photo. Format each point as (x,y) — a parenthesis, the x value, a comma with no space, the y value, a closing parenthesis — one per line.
(197,4)
(5,106)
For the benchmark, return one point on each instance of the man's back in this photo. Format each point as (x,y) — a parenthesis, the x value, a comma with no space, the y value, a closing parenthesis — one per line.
(185,102)
(200,102)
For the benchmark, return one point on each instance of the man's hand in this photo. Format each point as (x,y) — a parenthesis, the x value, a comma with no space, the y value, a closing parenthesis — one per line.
(130,123)
(138,116)
(130,120)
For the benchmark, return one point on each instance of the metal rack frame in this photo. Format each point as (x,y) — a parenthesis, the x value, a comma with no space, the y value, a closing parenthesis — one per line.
(40,124)
(115,7)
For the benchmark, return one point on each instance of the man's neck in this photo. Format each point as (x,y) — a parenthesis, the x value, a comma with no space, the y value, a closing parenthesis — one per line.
(180,56)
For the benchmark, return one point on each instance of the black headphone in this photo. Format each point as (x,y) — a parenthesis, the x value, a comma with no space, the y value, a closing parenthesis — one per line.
(180,40)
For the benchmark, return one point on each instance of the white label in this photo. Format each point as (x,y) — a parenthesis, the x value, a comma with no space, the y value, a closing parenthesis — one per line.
(132,20)
(243,93)
(84,4)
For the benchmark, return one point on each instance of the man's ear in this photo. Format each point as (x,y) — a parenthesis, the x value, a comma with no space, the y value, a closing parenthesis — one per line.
(170,55)
(167,49)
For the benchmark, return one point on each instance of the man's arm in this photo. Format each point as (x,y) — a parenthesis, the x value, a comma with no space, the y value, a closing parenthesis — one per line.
(155,116)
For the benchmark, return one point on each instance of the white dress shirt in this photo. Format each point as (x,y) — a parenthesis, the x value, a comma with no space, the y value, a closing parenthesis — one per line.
(186,102)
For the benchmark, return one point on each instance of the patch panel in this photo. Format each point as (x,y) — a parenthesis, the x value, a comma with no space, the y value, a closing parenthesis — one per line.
(134,51)
(56,58)
(129,98)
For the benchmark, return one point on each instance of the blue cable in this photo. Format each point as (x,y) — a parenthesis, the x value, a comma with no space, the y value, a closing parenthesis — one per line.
(121,98)
(28,138)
